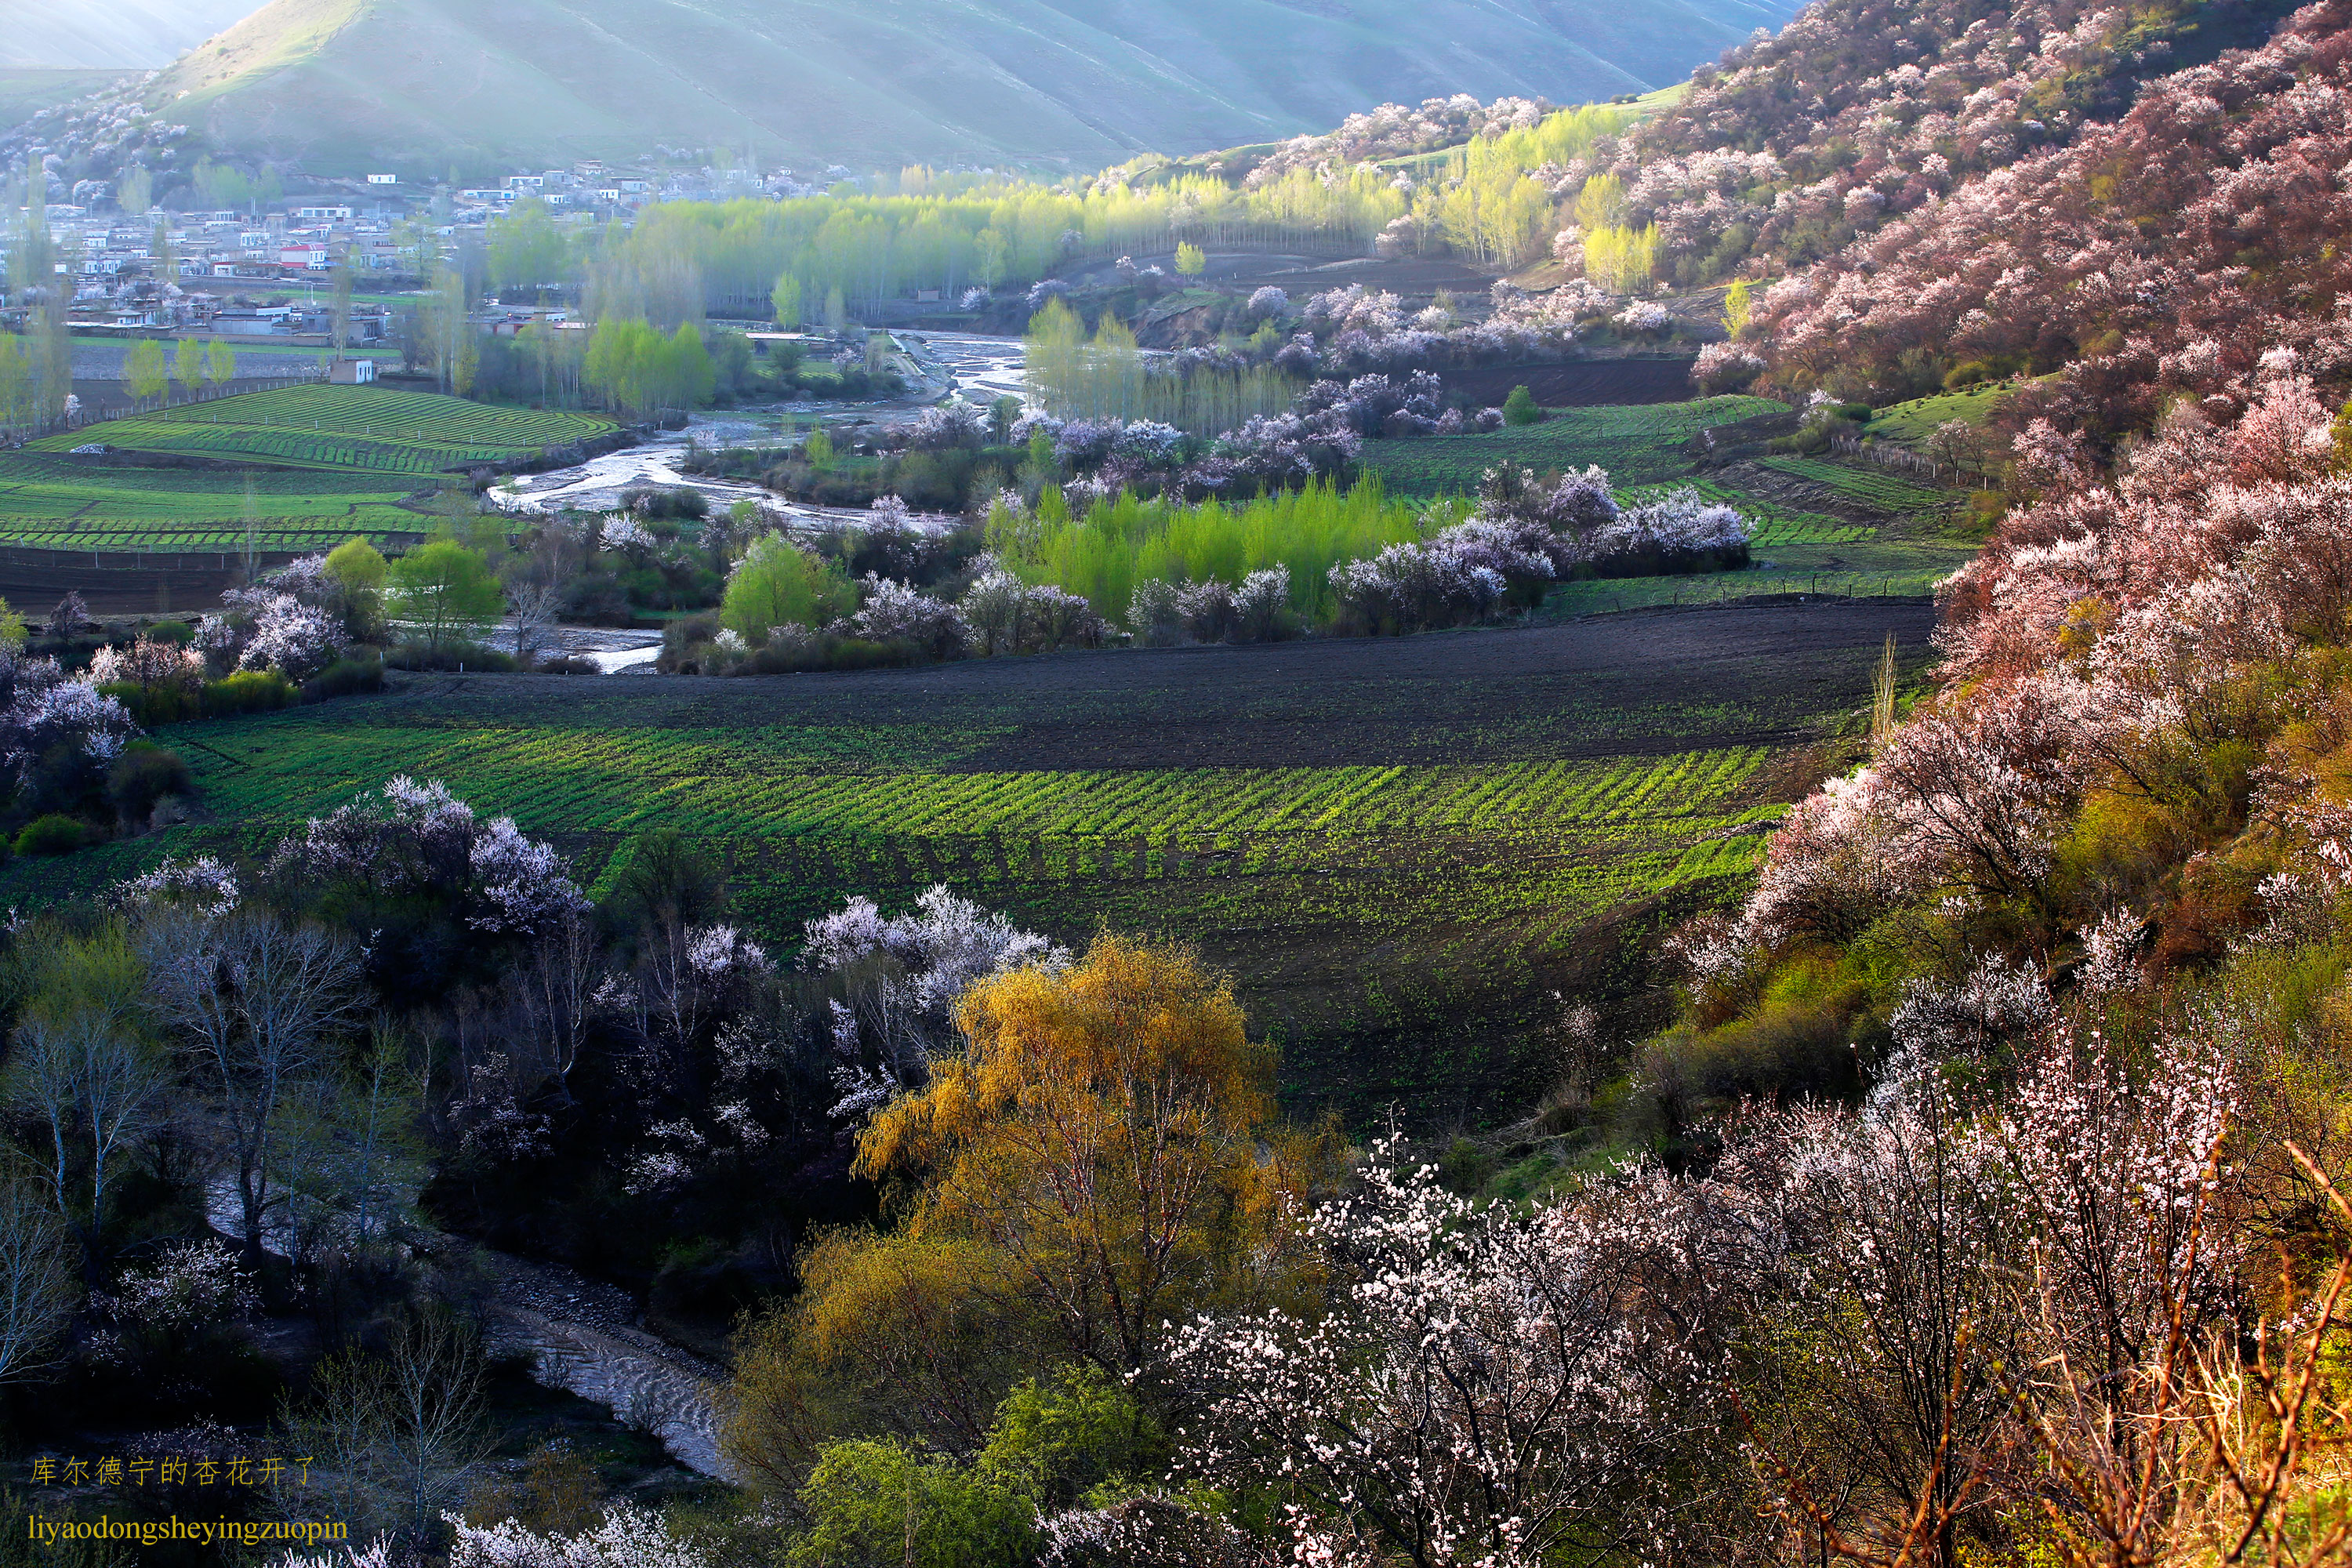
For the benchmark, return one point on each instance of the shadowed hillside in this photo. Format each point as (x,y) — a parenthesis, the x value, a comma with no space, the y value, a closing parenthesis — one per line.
(427,84)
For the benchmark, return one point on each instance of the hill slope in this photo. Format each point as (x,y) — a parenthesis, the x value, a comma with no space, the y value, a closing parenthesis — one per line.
(109,35)
(425,85)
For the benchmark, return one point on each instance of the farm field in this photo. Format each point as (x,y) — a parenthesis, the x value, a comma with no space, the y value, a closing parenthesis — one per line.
(59,503)
(1638,444)
(1400,848)
(1872,487)
(1819,528)
(299,468)
(367,428)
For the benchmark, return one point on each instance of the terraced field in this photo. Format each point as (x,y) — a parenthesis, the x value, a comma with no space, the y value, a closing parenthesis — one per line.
(1403,849)
(1873,486)
(59,503)
(299,468)
(367,428)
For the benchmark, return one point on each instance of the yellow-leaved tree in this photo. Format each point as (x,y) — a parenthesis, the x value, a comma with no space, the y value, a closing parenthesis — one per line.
(1101,1158)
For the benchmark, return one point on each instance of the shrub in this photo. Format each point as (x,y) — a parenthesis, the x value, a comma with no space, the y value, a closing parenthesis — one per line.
(346,677)
(470,657)
(1519,409)
(151,707)
(248,691)
(51,835)
(143,774)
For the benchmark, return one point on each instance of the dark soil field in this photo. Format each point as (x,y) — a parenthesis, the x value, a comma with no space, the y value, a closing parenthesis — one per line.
(1580,384)
(1408,852)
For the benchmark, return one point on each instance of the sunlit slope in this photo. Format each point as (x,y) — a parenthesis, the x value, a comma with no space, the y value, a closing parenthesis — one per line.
(109,35)
(426,86)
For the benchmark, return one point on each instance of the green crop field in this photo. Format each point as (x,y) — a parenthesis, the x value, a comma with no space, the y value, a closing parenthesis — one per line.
(1873,486)
(1638,444)
(367,428)
(1400,848)
(62,503)
(295,469)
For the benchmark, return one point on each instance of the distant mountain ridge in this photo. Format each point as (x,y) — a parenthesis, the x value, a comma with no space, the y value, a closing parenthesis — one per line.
(109,35)
(427,86)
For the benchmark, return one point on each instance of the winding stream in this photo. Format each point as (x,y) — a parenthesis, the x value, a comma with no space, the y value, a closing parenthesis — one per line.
(580,1335)
(982,368)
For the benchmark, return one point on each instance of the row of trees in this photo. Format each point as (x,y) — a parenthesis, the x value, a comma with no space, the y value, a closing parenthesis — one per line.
(36,364)
(150,373)
(1105,375)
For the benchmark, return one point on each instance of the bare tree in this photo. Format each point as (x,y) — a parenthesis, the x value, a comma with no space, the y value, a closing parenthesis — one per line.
(37,1291)
(532,608)
(252,998)
(397,1436)
(559,979)
(93,1086)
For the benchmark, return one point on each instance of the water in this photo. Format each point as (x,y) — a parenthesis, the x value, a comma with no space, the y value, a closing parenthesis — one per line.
(581,1336)
(980,368)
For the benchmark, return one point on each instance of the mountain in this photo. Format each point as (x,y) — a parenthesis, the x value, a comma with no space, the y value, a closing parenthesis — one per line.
(423,86)
(109,35)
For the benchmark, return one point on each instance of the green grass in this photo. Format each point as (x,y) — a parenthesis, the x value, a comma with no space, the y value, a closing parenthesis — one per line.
(1400,847)
(1639,443)
(1910,424)
(364,428)
(1872,486)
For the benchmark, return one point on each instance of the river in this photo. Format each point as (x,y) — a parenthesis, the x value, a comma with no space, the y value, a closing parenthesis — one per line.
(980,368)
(580,1335)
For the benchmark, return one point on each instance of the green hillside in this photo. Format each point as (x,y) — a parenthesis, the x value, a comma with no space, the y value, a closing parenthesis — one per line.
(423,86)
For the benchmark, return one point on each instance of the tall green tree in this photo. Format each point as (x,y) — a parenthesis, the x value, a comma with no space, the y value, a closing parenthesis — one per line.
(528,251)
(779,583)
(188,365)
(146,370)
(446,593)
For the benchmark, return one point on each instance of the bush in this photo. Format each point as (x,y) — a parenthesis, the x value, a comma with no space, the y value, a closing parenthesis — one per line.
(51,835)
(346,677)
(1519,409)
(569,664)
(143,774)
(469,657)
(248,691)
(152,707)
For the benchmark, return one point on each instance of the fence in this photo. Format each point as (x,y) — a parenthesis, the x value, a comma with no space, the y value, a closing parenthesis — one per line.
(1904,460)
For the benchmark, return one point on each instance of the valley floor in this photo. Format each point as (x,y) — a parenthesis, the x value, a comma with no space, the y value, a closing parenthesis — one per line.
(1400,848)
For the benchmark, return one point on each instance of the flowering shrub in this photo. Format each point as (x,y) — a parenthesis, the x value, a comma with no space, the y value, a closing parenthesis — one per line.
(49,711)
(894,610)
(629,1537)
(203,885)
(191,1285)
(898,1015)
(1007,615)
(408,835)
(292,639)
(1488,1384)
